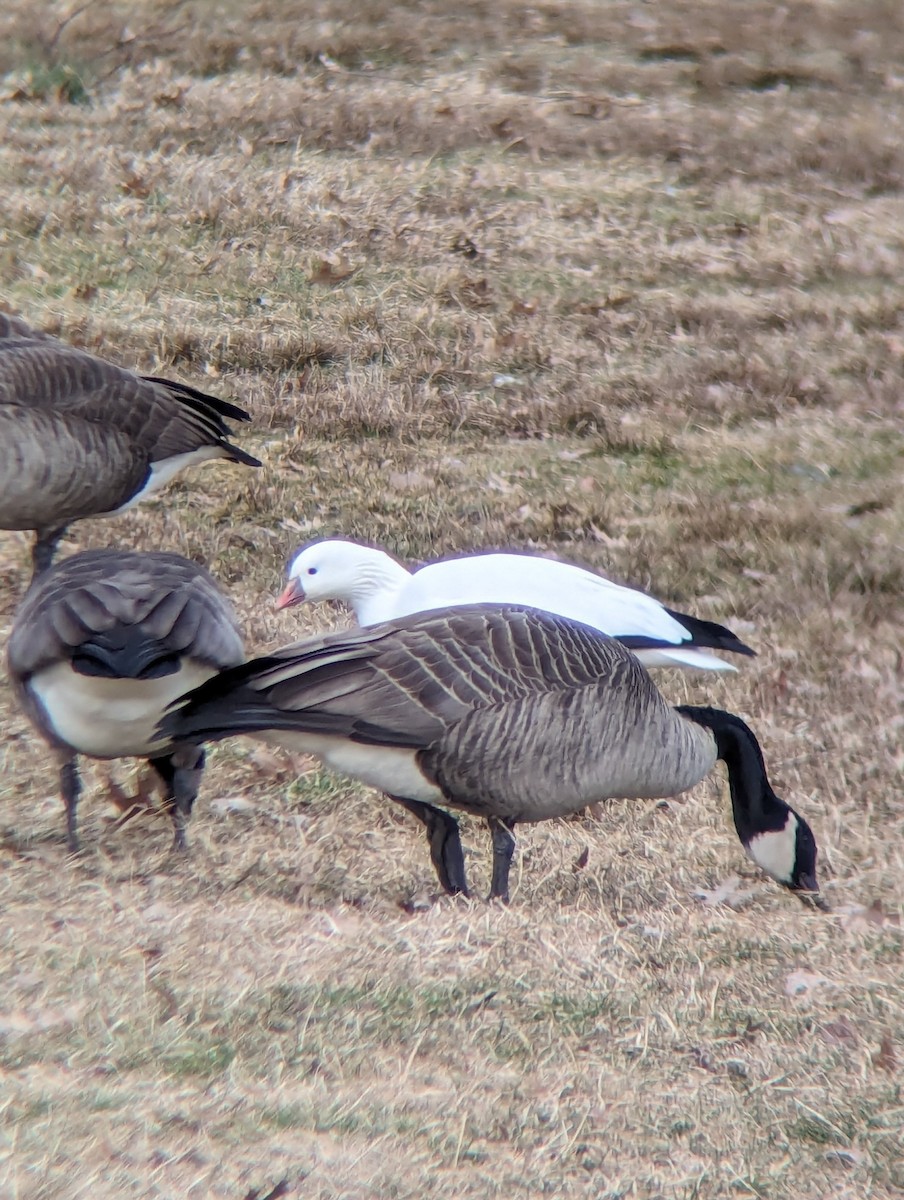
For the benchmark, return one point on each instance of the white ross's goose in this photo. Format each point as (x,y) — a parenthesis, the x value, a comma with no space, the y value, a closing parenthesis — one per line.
(380,589)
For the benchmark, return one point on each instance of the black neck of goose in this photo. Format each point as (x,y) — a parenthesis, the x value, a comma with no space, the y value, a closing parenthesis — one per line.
(777,838)
(755,806)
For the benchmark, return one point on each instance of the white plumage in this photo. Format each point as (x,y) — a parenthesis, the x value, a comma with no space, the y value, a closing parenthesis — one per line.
(110,718)
(379,589)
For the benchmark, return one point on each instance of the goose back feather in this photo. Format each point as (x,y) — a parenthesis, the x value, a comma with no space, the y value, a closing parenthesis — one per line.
(104,641)
(471,691)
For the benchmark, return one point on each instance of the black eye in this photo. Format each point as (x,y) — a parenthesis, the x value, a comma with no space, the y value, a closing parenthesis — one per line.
(312,570)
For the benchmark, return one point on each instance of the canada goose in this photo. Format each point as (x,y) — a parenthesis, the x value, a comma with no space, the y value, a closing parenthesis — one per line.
(81,437)
(101,644)
(508,713)
(379,589)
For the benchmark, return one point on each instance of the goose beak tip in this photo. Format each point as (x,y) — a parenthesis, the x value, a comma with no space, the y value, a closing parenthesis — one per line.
(292,593)
(807,890)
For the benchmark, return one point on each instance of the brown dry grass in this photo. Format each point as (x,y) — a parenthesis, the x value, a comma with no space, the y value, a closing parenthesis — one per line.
(614,280)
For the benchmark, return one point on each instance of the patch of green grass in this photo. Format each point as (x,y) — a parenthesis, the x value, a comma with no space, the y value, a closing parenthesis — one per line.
(202,1059)
(58,81)
(811,1128)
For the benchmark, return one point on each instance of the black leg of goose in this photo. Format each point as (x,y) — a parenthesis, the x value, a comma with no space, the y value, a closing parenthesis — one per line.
(70,789)
(181,773)
(444,840)
(45,547)
(503,849)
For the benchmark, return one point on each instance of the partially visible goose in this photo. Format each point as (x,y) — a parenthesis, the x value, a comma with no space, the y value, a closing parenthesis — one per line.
(82,437)
(511,714)
(101,644)
(379,589)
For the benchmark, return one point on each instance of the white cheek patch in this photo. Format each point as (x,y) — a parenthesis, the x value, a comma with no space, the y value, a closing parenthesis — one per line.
(776,851)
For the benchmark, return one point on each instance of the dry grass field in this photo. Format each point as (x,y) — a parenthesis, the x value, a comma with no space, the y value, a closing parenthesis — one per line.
(615,280)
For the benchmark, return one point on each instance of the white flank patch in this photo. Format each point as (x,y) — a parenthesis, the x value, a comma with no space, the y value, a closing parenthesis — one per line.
(109,718)
(390,769)
(167,469)
(776,851)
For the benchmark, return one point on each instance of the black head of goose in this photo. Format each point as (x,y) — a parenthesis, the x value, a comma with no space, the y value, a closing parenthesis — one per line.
(81,437)
(511,714)
(101,644)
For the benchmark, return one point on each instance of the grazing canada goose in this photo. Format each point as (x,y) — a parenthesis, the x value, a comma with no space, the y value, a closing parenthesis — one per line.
(511,714)
(101,644)
(379,589)
(82,437)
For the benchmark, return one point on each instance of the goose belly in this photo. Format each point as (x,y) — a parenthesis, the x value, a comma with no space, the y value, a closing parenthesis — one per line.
(109,718)
(390,769)
(555,762)
(623,776)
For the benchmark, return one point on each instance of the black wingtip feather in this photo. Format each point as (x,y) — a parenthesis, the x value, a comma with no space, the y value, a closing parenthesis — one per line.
(225,706)
(237,454)
(214,404)
(213,410)
(710,635)
(198,715)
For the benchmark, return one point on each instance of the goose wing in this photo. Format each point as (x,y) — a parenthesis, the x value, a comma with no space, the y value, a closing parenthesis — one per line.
(162,417)
(543,583)
(505,712)
(405,683)
(639,621)
(165,599)
(57,467)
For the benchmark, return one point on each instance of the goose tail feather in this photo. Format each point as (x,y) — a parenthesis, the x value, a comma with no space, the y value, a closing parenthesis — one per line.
(711,635)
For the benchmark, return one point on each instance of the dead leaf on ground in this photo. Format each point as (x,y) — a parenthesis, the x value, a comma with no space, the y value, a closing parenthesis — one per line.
(885,1057)
(409,481)
(702,1058)
(302,764)
(136,185)
(838,1033)
(172,97)
(232,804)
(43,1020)
(328,272)
(275,764)
(268,762)
(465,246)
(281,1189)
